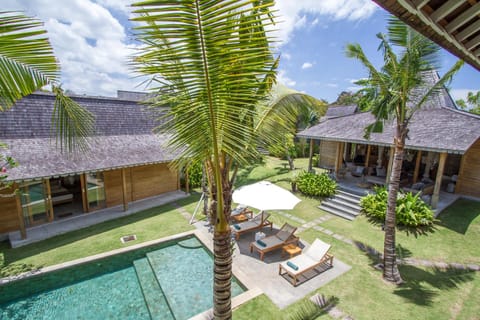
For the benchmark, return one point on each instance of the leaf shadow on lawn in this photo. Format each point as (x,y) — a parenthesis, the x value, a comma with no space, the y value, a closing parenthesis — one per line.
(459,215)
(418,282)
(414,231)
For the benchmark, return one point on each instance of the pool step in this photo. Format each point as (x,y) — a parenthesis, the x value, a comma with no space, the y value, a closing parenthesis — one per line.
(152,292)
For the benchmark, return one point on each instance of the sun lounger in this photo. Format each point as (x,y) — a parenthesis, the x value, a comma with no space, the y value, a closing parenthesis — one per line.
(283,237)
(257,222)
(313,257)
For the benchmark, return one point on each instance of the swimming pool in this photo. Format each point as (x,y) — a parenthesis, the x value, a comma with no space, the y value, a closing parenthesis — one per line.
(165,281)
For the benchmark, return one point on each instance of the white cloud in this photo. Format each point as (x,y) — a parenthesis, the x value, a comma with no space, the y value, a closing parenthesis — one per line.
(90,43)
(332,85)
(284,79)
(292,13)
(307,65)
(286,56)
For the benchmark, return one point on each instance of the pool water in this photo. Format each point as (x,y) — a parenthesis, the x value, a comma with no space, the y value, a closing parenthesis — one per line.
(170,282)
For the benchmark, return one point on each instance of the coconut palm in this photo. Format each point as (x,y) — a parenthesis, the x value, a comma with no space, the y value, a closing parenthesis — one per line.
(213,67)
(396,91)
(27,64)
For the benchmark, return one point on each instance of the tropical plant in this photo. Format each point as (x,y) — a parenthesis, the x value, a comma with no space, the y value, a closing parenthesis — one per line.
(389,93)
(27,64)
(316,185)
(211,62)
(411,210)
(472,104)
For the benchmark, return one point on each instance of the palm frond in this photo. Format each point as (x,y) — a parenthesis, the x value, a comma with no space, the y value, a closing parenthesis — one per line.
(213,58)
(71,124)
(27,61)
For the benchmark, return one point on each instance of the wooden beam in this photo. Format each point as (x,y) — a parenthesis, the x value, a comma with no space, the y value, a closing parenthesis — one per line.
(390,163)
(473,43)
(438,179)
(310,155)
(445,9)
(468,31)
(420,3)
(463,18)
(21,222)
(124,190)
(417,166)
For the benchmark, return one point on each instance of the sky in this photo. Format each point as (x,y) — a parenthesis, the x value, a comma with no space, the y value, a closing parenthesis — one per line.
(93,41)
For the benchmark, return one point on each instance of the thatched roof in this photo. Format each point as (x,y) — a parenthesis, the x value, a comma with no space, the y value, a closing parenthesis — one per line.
(123,137)
(454,25)
(435,129)
(339,111)
(39,158)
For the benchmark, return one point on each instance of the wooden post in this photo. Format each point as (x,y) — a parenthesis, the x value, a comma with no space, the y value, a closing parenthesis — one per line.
(49,202)
(132,183)
(417,166)
(310,155)
(319,155)
(438,179)
(390,163)
(124,190)
(21,222)
(367,158)
(84,186)
(187,181)
(338,160)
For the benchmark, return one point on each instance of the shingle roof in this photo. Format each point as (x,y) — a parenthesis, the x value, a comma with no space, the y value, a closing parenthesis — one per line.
(339,111)
(435,129)
(31,116)
(38,158)
(123,137)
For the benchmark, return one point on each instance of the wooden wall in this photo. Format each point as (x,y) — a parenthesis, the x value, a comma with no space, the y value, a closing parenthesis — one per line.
(328,154)
(142,182)
(468,182)
(8,215)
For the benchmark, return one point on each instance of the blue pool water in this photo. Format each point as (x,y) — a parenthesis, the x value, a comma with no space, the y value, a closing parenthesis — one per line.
(169,282)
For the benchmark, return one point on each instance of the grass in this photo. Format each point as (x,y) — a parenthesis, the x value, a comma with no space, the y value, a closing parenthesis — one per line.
(427,293)
(147,225)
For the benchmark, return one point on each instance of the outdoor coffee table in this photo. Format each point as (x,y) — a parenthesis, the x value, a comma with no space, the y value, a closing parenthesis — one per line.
(291,249)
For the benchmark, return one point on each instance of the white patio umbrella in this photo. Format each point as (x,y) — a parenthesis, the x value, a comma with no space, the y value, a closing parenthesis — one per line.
(265,195)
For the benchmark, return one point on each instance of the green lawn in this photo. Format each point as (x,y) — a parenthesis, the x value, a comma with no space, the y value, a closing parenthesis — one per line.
(146,225)
(426,294)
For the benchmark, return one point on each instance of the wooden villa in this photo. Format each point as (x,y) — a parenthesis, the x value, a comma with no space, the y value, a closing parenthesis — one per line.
(442,148)
(125,162)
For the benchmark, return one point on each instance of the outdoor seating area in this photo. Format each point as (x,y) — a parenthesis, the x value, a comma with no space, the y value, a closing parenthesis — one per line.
(256,223)
(284,236)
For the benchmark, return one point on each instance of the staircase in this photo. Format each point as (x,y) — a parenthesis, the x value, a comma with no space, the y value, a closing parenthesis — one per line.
(345,203)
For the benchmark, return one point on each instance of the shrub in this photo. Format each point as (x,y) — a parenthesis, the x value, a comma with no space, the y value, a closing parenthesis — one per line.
(194,175)
(411,211)
(316,185)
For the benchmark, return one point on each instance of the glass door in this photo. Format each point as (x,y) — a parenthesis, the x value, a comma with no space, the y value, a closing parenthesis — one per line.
(35,203)
(95,191)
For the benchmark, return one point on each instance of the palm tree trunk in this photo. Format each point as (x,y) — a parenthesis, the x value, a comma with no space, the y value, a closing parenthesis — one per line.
(222,259)
(390,270)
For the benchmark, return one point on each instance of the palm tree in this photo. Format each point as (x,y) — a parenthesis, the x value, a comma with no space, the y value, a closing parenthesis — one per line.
(390,92)
(211,62)
(27,64)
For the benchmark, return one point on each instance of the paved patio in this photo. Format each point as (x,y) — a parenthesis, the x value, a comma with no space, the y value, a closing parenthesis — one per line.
(256,274)
(48,230)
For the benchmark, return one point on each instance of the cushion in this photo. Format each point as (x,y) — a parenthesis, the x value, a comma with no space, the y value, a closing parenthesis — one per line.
(381,172)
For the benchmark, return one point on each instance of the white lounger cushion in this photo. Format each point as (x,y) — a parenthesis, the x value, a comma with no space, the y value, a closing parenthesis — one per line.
(317,250)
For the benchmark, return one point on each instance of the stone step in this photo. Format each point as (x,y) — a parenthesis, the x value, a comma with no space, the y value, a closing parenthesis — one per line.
(345,203)
(152,292)
(348,198)
(336,212)
(341,208)
(351,194)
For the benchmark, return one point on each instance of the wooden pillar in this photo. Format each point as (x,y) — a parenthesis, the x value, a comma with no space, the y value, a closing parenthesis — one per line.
(380,157)
(390,163)
(367,158)
(339,157)
(49,202)
(428,165)
(84,186)
(438,179)
(319,155)
(124,190)
(417,166)
(132,183)
(187,182)
(310,155)
(21,222)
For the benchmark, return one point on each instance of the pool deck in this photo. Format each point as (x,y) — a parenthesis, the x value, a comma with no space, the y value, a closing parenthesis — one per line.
(262,276)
